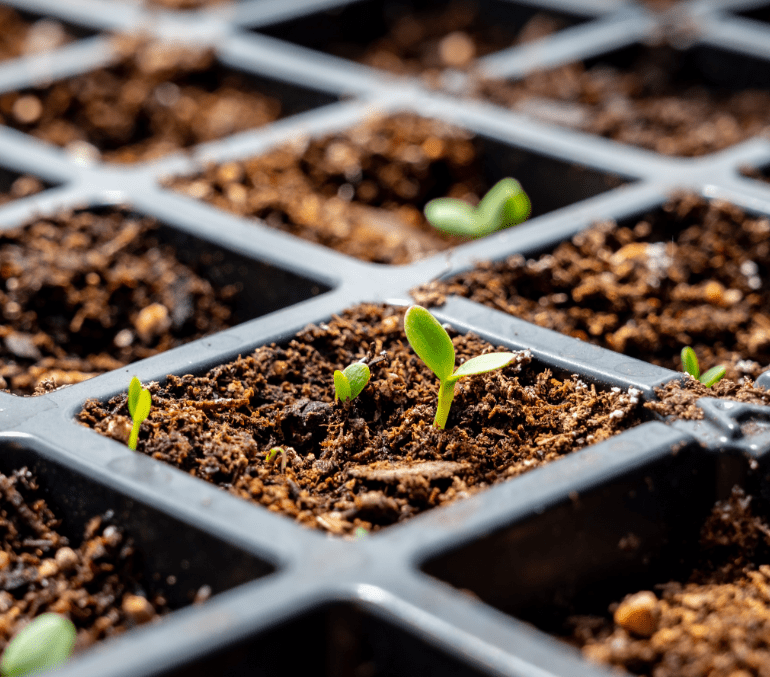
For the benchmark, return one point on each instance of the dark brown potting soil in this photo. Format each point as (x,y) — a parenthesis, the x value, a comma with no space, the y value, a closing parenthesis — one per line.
(678,399)
(157,99)
(22,37)
(655,102)
(86,292)
(359,191)
(693,273)
(22,186)
(714,624)
(96,580)
(376,460)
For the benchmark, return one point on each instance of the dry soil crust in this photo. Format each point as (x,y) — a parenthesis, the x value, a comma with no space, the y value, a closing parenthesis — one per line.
(714,624)
(377,460)
(96,582)
(86,292)
(694,273)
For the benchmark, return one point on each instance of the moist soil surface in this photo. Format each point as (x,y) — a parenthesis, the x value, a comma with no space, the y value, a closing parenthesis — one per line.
(156,99)
(87,292)
(693,273)
(360,191)
(94,580)
(655,100)
(377,460)
(714,623)
(677,399)
(22,37)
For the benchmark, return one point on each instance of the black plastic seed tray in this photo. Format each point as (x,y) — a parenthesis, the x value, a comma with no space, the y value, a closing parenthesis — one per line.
(290,600)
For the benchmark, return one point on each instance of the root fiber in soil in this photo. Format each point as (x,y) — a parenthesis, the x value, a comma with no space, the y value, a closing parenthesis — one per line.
(377,460)
(693,273)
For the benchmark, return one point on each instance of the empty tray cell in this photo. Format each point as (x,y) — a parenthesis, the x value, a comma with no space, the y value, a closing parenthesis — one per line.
(88,291)
(655,528)
(362,191)
(420,37)
(23,34)
(692,273)
(14,185)
(376,460)
(344,639)
(685,103)
(97,556)
(158,98)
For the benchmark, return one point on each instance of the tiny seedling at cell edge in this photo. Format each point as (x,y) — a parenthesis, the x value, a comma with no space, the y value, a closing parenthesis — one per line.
(349,383)
(505,205)
(691,366)
(42,645)
(139,402)
(434,347)
(270,456)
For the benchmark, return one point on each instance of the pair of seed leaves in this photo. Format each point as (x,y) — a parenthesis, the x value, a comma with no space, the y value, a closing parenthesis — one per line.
(43,644)
(139,403)
(349,382)
(691,366)
(506,204)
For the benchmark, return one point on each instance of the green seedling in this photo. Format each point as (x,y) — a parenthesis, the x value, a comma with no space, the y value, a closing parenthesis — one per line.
(270,456)
(505,205)
(434,347)
(349,383)
(139,402)
(691,366)
(42,645)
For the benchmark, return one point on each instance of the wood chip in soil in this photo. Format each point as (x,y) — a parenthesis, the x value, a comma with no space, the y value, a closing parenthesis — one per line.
(693,273)
(655,102)
(360,191)
(377,460)
(86,292)
(23,37)
(158,98)
(713,624)
(95,580)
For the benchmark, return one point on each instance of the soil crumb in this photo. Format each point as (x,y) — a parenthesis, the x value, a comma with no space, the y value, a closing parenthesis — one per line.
(677,399)
(23,37)
(22,186)
(376,460)
(90,291)
(95,581)
(715,624)
(693,273)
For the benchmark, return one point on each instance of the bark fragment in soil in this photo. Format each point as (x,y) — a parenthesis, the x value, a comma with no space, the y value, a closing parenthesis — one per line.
(21,37)
(693,273)
(157,99)
(95,581)
(86,292)
(655,103)
(714,624)
(360,191)
(377,460)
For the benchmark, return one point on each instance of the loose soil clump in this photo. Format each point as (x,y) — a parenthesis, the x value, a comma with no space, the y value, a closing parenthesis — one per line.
(87,292)
(158,98)
(693,273)
(656,102)
(360,191)
(20,37)
(713,624)
(376,460)
(95,581)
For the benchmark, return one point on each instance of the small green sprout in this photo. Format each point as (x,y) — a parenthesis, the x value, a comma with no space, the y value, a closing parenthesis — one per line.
(270,456)
(434,347)
(43,644)
(505,205)
(139,402)
(349,383)
(360,533)
(691,366)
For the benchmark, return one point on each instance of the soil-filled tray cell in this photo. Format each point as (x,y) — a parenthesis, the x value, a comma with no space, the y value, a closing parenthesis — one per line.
(692,273)
(412,38)
(89,291)
(156,99)
(23,34)
(343,639)
(758,173)
(105,561)
(761,13)
(378,459)
(582,555)
(685,103)
(362,191)
(14,186)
